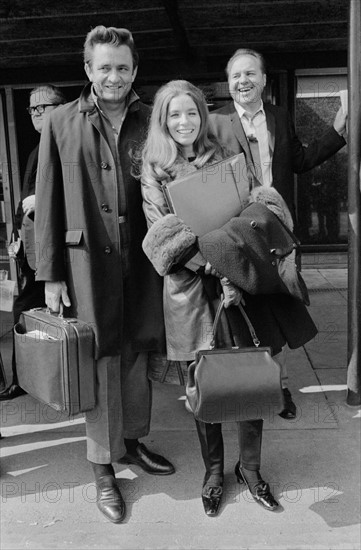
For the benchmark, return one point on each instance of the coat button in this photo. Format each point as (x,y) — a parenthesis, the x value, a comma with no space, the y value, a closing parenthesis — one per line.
(105,207)
(273,263)
(253,224)
(104,165)
(107,250)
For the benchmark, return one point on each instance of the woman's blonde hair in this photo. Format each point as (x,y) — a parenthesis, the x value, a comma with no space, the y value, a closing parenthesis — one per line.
(160,151)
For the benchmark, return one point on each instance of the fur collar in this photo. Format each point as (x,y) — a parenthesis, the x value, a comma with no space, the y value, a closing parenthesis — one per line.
(273,200)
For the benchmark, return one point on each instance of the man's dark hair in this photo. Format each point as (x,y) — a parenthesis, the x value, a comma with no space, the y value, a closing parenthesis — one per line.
(113,37)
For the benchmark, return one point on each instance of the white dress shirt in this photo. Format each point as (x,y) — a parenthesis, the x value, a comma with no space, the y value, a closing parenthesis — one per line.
(256,125)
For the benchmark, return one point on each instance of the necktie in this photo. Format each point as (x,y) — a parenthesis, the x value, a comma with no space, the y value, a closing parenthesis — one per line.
(253,145)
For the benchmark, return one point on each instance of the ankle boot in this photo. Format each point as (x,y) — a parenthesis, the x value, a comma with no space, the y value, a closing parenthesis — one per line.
(109,499)
(259,489)
(212,491)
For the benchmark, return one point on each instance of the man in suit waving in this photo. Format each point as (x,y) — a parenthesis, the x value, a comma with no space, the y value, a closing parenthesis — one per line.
(266,135)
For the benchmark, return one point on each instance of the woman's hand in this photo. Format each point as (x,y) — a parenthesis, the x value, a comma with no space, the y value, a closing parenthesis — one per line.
(209,270)
(232,294)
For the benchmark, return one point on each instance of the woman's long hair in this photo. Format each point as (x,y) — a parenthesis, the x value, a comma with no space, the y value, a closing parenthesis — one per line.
(160,151)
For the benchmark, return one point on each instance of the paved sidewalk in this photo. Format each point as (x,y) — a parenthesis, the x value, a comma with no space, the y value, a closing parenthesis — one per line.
(312,464)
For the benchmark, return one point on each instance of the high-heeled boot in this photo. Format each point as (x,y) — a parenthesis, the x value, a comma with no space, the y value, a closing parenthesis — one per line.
(259,489)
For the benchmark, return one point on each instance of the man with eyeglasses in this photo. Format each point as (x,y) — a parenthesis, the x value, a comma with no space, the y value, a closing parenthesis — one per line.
(43,100)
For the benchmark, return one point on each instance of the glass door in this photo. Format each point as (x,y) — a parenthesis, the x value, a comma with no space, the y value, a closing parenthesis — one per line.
(321,192)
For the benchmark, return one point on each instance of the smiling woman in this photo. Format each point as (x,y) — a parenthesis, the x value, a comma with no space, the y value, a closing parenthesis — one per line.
(183,123)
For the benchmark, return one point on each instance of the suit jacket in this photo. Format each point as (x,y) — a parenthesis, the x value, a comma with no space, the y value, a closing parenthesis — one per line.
(26,223)
(289,155)
(29,180)
(77,226)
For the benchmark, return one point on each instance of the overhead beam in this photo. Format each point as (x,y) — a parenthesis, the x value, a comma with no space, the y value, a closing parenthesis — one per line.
(180,35)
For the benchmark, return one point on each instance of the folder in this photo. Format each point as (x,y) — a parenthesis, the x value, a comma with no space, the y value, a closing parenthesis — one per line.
(208,198)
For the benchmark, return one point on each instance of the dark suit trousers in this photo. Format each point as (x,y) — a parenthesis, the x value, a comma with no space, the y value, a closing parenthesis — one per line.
(249,438)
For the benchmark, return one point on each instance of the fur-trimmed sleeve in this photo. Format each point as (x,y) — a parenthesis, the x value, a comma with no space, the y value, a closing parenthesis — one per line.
(167,239)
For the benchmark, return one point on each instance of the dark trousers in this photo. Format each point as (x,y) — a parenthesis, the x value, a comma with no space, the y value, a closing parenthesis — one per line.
(249,438)
(30,295)
(123,405)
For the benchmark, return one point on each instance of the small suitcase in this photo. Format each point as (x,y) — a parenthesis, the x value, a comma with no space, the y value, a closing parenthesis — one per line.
(55,360)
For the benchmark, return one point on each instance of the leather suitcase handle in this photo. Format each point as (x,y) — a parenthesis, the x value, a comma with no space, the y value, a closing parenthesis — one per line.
(60,315)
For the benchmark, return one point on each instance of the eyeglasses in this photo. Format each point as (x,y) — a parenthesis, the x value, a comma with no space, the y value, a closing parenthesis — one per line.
(39,108)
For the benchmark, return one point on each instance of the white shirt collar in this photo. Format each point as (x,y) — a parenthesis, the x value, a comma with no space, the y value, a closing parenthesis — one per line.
(242,111)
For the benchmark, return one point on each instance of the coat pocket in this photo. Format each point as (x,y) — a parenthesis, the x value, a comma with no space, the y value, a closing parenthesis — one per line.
(73,237)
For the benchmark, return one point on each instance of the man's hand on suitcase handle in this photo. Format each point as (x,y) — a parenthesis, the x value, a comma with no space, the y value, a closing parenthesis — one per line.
(54,292)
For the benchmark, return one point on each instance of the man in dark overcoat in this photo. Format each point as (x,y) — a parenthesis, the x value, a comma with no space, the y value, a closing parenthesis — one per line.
(266,135)
(89,234)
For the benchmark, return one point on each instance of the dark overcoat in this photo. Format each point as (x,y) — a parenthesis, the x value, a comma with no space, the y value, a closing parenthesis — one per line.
(290,156)
(77,226)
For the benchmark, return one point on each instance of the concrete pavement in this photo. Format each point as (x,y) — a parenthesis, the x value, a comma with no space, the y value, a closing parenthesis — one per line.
(312,464)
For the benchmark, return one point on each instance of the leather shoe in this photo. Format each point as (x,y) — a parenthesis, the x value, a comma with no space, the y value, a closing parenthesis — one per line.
(150,462)
(11,392)
(290,409)
(260,490)
(212,496)
(109,499)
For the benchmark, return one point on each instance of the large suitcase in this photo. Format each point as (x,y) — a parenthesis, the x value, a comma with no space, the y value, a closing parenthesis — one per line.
(55,360)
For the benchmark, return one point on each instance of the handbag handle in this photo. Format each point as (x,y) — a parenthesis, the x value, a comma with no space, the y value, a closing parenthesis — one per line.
(217,319)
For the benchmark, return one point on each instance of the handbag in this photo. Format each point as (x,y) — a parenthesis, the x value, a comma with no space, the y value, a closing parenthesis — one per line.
(234,384)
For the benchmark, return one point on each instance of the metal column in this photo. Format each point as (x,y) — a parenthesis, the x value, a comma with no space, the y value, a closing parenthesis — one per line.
(354,252)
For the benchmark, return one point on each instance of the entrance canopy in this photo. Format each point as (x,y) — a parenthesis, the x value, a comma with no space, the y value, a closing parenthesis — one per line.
(42,40)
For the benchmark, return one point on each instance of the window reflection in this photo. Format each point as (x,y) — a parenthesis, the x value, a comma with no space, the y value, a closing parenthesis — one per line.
(321,192)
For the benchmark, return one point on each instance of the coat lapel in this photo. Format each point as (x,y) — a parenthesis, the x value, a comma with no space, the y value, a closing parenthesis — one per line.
(241,137)
(95,120)
(271,127)
(239,132)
